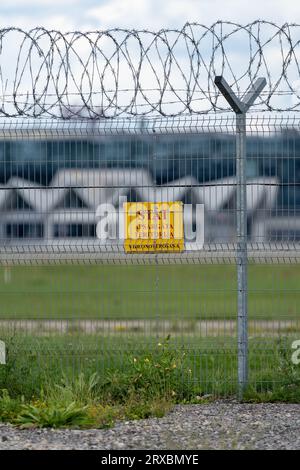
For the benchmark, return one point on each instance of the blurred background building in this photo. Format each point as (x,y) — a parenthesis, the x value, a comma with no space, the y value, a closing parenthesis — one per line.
(50,189)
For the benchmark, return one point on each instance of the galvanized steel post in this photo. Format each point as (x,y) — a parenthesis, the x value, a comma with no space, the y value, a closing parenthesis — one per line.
(240,107)
(241,256)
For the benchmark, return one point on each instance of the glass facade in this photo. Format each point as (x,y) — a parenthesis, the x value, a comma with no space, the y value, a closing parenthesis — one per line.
(206,157)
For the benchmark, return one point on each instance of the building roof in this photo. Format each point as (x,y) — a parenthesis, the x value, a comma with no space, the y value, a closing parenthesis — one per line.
(93,187)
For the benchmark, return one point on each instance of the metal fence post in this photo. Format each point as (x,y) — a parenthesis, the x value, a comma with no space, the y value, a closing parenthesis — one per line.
(241,227)
(240,107)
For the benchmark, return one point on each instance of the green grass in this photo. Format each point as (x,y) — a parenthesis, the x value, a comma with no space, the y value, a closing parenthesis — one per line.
(145,384)
(145,292)
(78,382)
(83,380)
(212,361)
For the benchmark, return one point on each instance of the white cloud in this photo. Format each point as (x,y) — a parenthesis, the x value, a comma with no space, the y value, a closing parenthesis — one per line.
(174,13)
(59,22)
(38,3)
(65,15)
(152,14)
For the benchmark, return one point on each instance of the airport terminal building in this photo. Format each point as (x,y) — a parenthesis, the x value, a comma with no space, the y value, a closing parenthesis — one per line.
(50,189)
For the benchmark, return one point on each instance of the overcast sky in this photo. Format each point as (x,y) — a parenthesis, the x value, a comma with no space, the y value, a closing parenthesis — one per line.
(102,14)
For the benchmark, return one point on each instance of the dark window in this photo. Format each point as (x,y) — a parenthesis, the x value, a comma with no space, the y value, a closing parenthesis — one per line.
(74,230)
(24,230)
(281,235)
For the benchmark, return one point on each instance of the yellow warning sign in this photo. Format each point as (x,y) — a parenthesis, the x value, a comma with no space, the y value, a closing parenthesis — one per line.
(153,227)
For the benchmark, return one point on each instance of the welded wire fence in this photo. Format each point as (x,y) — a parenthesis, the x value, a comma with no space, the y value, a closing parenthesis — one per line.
(95,123)
(72,297)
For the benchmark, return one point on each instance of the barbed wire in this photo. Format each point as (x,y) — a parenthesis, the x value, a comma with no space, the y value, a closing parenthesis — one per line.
(119,72)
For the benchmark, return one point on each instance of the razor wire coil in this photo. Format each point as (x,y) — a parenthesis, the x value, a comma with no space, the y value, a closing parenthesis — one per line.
(171,72)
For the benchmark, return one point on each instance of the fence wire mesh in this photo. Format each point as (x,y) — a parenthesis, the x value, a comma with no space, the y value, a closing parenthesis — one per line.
(90,121)
(72,300)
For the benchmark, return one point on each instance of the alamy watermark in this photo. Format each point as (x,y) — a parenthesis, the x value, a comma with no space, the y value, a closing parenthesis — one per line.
(296,353)
(111,223)
(2,352)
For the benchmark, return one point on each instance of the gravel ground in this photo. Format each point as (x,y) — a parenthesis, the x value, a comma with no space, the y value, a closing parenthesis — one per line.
(219,425)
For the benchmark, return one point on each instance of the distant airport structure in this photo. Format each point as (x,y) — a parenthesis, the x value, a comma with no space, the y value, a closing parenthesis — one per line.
(66,208)
(50,189)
